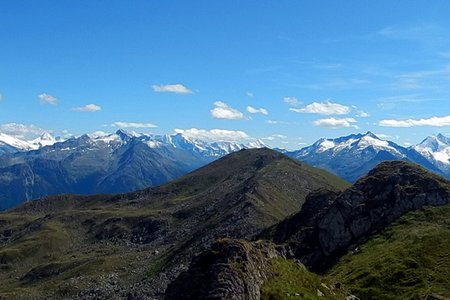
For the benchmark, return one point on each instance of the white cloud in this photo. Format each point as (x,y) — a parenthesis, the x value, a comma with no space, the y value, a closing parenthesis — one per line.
(87,108)
(278,122)
(387,136)
(22,131)
(66,134)
(253,110)
(215,134)
(280,136)
(177,88)
(250,94)
(45,98)
(291,101)
(323,108)
(336,123)
(223,111)
(362,114)
(99,133)
(433,121)
(274,137)
(133,125)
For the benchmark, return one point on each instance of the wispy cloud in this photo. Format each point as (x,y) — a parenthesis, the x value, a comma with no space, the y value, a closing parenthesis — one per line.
(133,125)
(250,94)
(392,102)
(254,110)
(433,121)
(45,98)
(419,32)
(223,111)
(323,108)
(336,123)
(278,122)
(360,113)
(387,136)
(215,135)
(275,137)
(335,83)
(87,108)
(23,131)
(66,134)
(177,88)
(292,101)
(422,79)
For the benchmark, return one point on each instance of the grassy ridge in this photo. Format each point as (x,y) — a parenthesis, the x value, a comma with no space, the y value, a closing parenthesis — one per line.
(408,260)
(292,280)
(65,244)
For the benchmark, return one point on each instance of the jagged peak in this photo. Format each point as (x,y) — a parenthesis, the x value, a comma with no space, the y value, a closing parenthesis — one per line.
(444,139)
(47,136)
(372,135)
(123,133)
(434,143)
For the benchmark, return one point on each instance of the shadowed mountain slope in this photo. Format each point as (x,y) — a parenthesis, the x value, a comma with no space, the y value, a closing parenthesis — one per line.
(327,227)
(132,245)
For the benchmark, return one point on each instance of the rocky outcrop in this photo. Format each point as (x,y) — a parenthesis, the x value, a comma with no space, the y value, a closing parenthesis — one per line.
(231,269)
(330,224)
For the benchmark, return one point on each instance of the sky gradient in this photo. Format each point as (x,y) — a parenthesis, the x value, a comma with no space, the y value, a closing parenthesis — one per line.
(287,72)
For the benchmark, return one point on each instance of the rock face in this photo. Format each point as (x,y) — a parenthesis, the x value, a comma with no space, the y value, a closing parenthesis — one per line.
(329,224)
(231,269)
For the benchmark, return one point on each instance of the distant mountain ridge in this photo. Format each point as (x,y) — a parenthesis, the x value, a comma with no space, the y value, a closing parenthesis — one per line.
(108,163)
(126,161)
(352,156)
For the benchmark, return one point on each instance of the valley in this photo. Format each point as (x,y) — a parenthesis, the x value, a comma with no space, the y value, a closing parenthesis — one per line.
(252,211)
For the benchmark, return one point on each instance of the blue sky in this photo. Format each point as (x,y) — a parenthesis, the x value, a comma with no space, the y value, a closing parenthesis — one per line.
(288,72)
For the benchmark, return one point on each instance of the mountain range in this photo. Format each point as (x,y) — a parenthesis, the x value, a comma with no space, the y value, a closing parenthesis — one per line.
(352,156)
(255,224)
(130,246)
(124,161)
(109,163)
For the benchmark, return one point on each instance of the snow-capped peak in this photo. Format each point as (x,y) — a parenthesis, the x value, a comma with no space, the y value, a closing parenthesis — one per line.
(126,135)
(371,134)
(435,148)
(356,142)
(257,144)
(11,142)
(46,139)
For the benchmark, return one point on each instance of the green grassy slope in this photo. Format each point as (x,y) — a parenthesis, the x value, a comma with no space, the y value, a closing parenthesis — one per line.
(62,245)
(293,280)
(408,260)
